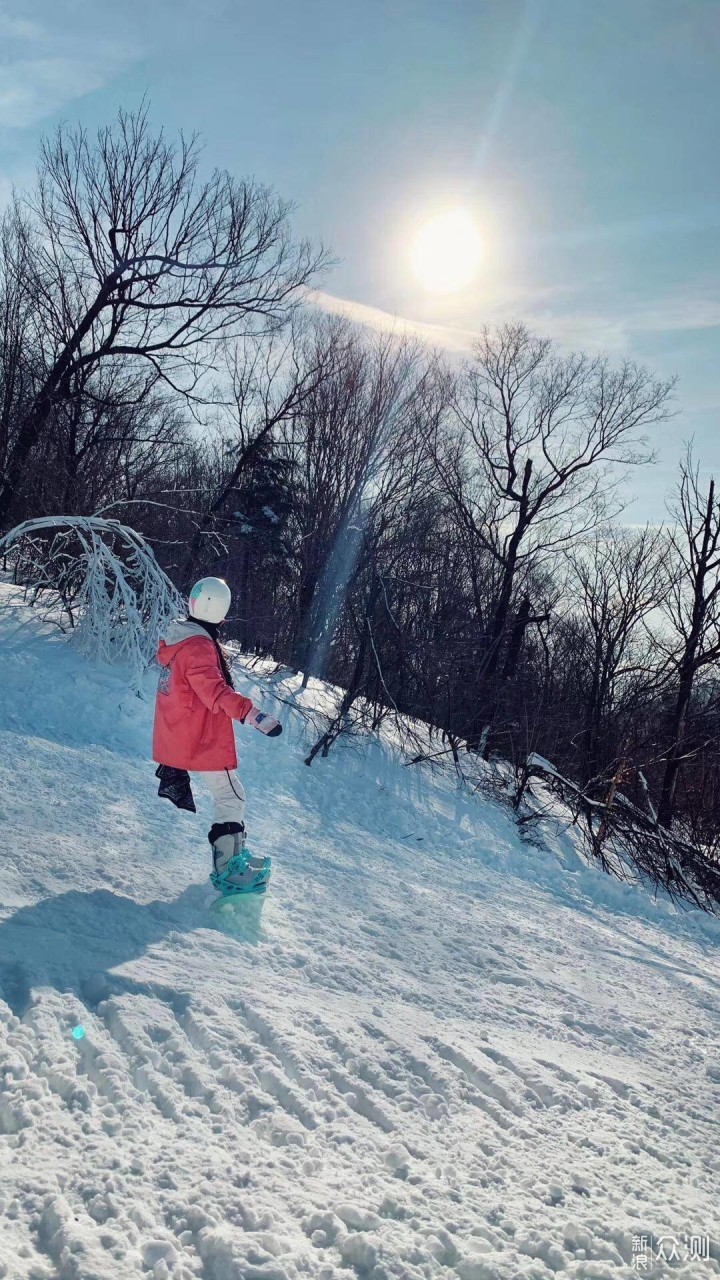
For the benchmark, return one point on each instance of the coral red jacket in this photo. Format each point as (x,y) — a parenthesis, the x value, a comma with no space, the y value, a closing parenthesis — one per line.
(194,708)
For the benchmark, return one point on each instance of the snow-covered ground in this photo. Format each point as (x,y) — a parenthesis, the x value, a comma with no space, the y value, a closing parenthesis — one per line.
(432,1051)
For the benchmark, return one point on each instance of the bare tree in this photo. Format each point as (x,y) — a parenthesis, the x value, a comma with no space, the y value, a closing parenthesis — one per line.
(104,443)
(616,583)
(135,256)
(529,469)
(269,379)
(358,458)
(19,361)
(692,606)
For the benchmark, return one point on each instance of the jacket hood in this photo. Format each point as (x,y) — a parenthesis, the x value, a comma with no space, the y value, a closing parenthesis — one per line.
(178,632)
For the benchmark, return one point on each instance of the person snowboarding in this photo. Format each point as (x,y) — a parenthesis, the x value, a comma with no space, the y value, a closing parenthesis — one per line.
(195,706)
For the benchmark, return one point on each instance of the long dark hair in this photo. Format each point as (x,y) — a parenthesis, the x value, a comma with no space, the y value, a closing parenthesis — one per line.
(212,629)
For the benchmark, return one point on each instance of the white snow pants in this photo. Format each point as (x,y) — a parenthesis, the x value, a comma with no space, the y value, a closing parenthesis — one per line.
(227,792)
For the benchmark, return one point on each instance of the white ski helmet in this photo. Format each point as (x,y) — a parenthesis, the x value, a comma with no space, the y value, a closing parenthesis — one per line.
(210,600)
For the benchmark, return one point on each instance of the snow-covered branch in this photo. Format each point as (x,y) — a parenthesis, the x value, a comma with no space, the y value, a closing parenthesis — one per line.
(105,578)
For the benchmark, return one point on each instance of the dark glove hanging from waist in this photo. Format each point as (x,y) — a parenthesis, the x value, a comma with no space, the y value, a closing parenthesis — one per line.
(175,786)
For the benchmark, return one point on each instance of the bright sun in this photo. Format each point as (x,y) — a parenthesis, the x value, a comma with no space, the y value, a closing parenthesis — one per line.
(446,252)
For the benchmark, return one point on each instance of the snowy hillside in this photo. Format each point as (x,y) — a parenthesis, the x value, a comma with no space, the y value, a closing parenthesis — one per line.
(432,1052)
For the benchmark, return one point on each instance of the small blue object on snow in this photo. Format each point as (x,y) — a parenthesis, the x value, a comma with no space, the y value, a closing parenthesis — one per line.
(78,1033)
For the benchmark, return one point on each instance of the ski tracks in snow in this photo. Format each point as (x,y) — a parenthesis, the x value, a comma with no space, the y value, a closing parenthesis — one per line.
(210,1139)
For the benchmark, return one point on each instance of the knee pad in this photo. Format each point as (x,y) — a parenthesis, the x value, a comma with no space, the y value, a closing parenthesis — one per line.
(225,829)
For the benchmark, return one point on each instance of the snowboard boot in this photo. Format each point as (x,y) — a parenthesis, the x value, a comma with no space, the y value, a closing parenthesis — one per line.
(234,869)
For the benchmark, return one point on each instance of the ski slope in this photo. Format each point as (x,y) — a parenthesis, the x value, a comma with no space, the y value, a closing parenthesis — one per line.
(432,1052)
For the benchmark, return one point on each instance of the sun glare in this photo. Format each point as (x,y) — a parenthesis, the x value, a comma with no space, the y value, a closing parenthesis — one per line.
(446,252)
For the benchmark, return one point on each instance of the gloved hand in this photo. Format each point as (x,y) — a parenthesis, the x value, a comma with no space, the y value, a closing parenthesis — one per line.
(268,725)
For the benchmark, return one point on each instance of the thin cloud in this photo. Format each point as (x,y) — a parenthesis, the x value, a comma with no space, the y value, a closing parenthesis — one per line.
(19,28)
(33,88)
(453,339)
(42,68)
(571,327)
(674,313)
(680,313)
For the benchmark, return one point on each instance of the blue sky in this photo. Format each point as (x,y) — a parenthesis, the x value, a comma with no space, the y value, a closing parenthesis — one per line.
(583,136)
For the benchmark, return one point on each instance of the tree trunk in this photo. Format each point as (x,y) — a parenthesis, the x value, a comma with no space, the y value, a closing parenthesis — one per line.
(688,671)
(517,635)
(666,806)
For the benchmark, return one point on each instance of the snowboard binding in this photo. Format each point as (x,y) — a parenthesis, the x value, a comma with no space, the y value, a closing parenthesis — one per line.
(235,871)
